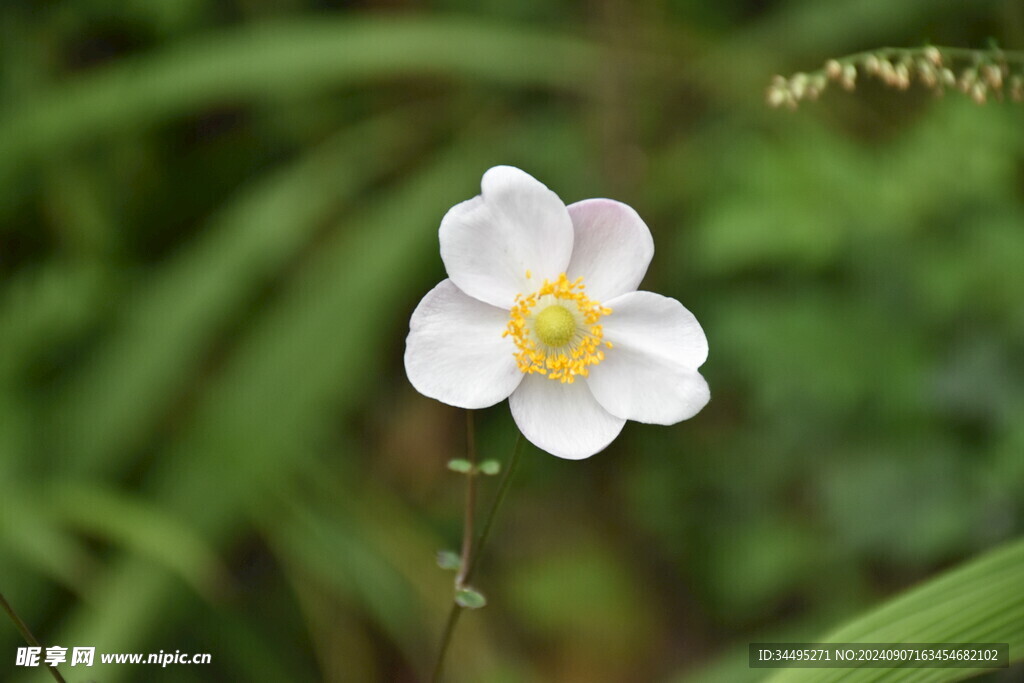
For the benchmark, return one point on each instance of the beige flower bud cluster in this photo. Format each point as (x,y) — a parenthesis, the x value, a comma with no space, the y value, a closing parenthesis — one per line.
(991,74)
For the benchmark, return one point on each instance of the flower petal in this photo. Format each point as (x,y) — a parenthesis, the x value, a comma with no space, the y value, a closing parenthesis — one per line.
(455,352)
(612,247)
(650,375)
(516,224)
(562,419)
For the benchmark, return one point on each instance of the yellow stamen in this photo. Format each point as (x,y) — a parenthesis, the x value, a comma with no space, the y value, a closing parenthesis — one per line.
(555,330)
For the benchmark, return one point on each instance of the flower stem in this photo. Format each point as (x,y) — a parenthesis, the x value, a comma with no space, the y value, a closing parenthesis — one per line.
(27,634)
(446,639)
(503,487)
(470,552)
(467,524)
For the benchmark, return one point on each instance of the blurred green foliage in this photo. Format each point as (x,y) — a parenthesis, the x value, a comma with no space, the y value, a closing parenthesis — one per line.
(216,218)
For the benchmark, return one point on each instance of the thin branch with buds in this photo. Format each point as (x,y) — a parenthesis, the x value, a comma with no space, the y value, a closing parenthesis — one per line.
(980,74)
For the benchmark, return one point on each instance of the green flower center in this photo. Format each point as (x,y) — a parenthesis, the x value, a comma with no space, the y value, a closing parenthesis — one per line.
(555,326)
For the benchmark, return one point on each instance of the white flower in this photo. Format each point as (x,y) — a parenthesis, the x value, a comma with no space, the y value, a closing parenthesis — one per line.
(513,321)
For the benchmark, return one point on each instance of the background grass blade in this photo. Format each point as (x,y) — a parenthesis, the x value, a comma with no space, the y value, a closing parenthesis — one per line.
(275,60)
(980,602)
(138,527)
(167,327)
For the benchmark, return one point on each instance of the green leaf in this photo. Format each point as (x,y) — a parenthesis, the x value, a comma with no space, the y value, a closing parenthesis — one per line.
(171,321)
(448,559)
(271,60)
(140,527)
(41,307)
(980,602)
(470,598)
(461,466)
(490,467)
(29,534)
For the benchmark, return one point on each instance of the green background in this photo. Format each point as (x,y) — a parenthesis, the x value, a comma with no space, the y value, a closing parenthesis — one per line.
(217,217)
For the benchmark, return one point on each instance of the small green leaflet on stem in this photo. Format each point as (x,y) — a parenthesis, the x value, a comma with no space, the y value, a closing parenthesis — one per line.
(448,559)
(490,467)
(460,465)
(470,598)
